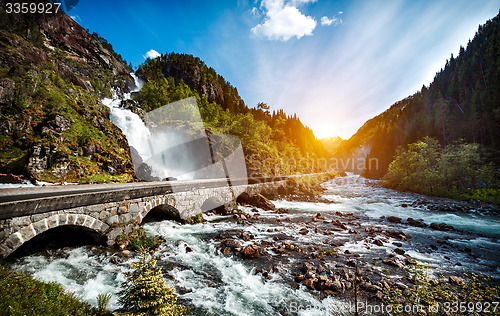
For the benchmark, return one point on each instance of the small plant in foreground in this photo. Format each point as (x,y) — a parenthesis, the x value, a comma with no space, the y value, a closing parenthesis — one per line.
(474,295)
(102,303)
(146,292)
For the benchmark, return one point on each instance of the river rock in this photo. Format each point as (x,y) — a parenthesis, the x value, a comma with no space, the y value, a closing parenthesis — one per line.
(455,280)
(396,234)
(336,286)
(309,283)
(378,242)
(251,251)
(441,226)
(10,178)
(416,223)
(399,251)
(307,267)
(256,200)
(125,254)
(339,224)
(394,219)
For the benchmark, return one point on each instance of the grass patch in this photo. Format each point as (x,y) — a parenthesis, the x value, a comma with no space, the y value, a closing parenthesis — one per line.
(137,240)
(23,295)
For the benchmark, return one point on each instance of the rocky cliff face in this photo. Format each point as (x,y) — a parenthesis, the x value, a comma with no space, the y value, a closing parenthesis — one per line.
(52,124)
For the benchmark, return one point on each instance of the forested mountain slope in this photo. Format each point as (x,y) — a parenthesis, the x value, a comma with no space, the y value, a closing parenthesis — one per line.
(463,102)
(53,74)
(274,143)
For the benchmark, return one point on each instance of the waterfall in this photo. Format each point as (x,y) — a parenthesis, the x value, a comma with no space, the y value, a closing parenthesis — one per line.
(130,124)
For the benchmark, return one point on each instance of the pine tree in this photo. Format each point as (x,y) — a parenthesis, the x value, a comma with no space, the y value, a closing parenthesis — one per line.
(146,292)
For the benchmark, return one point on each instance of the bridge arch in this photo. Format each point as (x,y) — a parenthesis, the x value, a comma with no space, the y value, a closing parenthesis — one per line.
(27,232)
(212,204)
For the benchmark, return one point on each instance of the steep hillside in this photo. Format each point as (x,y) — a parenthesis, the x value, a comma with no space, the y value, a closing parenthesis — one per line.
(463,102)
(274,143)
(331,143)
(53,126)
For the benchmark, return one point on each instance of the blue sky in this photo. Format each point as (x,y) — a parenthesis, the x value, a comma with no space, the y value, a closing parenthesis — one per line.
(334,63)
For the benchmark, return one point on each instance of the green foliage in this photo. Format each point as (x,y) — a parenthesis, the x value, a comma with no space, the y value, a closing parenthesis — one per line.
(198,218)
(137,240)
(437,296)
(486,194)
(92,149)
(146,292)
(427,168)
(23,295)
(102,303)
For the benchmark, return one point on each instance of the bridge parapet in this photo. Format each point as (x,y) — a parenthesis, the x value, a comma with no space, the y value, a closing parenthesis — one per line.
(111,209)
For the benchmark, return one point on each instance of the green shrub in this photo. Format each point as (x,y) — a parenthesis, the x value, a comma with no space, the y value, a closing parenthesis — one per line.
(146,292)
(137,240)
(437,296)
(427,168)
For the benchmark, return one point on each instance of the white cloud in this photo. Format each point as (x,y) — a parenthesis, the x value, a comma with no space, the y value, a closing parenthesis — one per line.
(151,54)
(336,20)
(284,21)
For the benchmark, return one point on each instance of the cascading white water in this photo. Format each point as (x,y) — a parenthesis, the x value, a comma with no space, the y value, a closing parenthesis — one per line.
(128,122)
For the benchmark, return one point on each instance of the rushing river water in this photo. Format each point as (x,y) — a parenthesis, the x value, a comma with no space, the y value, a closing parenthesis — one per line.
(216,284)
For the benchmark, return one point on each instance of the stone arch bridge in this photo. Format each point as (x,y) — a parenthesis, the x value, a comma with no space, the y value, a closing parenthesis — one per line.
(113,209)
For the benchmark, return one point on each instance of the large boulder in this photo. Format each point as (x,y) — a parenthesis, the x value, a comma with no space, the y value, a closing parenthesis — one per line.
(256,200)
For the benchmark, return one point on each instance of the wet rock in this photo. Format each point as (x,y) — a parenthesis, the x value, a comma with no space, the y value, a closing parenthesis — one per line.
(308,267)
(319,216)
(370,287)
(394,219)
(455,280)
(125,254)
(404,205)
(441,226)
(391,262)
(336,286)
(309,283)
(339,224)
(251,251)
(226,251)
(256,200)
(299,278)
(378,242)
(399,251)
(10,178)
(231,243)
(396,234)
(282,211)
(189,249)
(304,231)
(416,223)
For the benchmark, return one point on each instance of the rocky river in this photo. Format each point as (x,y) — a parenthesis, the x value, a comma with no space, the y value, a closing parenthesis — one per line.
(299,258)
